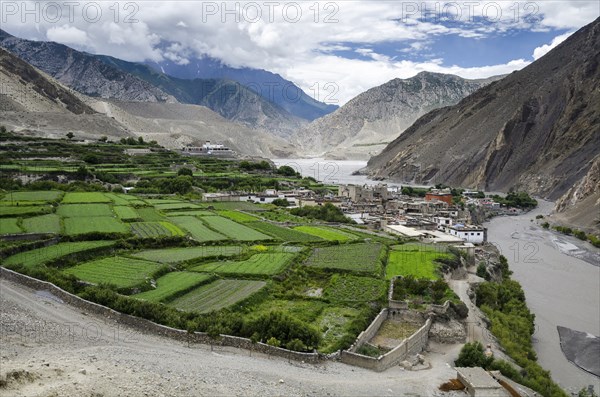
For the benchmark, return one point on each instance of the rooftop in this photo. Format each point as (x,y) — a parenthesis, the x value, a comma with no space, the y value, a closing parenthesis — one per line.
(478,377)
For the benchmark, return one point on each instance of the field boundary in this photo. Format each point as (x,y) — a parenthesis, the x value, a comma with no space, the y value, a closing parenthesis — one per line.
(148,326)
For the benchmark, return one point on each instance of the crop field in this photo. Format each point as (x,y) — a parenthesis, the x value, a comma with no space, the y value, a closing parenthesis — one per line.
(118,271)
(40,196)
(333,323)
(10,226)
(238,216)
(85,197)
(172,284)
(49,223)
(177,255)
(7,210)
(304,310)
(284,233)
(233,229)
(91,224)
(84,210)
(124,199)
(327,233)
(126,214)
(362,257)
(150,229)
(347,288)
(217,295)
(413,259)
(267,263)
(176,206)
(149,214)
(197,229)
(163,201)
(43,255)
(236,205)
(191,213)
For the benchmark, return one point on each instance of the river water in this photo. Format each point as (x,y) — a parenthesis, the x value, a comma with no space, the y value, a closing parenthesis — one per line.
(560,275)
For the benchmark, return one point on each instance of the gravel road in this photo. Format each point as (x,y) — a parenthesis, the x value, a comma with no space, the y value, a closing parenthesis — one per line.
(49,348)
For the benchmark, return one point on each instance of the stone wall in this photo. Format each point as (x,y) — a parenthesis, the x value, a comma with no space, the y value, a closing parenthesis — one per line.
(370,332)
(147,326)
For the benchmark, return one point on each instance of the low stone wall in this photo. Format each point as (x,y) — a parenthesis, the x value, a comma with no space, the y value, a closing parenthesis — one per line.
(370,332)
(147,326)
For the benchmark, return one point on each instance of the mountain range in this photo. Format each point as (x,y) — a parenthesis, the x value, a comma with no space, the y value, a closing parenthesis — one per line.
(538,129)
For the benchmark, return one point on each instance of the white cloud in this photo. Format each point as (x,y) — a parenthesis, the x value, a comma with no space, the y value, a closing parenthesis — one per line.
(68,35)
(543,50)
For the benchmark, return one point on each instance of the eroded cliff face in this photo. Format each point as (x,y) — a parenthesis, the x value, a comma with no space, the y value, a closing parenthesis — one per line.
(537,129)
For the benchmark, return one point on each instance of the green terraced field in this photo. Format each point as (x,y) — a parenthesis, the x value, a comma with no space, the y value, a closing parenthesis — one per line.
(7,210)
(118,271)
(267,263)
(41,196)
(84,210)
(362,257)
(238,216)
(284,233)
(176,206)
(149,229)
(91,224)
(40,256)
(327,233)
(236,205)
(149,214)
(177,255)
(347,288)
(49,223)
(233,229)
(197,229)
(413,259)
(172,284)
(217,295)
(190,213)
(126,214)
(10,226)
(85,197)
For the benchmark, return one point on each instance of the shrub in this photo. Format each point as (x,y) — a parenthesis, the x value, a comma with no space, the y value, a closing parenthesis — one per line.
(471,355)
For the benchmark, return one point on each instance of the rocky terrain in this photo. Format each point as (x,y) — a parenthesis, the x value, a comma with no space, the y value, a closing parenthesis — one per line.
(364,125)
(537,129)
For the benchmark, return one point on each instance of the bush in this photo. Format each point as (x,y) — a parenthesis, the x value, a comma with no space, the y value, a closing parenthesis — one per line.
(281,202)
(185,172)
(471,355)
(327,212)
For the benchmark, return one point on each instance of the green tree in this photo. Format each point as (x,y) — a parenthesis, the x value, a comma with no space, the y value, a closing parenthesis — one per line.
(471,355)
(70,135)
(281,202)
(185,171)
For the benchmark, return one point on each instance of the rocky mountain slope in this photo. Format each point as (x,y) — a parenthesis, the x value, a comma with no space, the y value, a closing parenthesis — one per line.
(111,78)
(31,102)
(364,125)
(270,86)
(537,129)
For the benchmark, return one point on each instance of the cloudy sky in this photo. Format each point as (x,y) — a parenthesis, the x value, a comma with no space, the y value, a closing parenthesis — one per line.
(334,50)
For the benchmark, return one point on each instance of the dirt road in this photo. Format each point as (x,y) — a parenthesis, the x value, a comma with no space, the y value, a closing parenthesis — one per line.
(60,351)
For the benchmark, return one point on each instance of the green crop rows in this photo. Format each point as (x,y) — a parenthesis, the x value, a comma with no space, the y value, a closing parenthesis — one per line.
(362,257)
(217,295)
(118,271)
(172,284)
(233,229)
(197,229)
(40,256)
(267,263)
(327,233)
(177,255)
(284,233)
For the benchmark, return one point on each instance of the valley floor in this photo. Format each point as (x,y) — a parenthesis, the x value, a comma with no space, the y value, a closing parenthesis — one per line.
(63,351)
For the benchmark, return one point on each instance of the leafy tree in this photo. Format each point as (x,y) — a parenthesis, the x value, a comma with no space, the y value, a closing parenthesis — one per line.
(471,355)
(185,171)
(70,135)
(281,202)
(103,138)
(286,170)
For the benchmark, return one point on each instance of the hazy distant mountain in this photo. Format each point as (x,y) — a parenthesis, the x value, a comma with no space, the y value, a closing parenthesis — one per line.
(374,118)
(270,86)
(111,78)
(537,129)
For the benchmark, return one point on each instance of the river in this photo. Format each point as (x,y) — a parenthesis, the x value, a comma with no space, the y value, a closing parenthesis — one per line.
(560,275)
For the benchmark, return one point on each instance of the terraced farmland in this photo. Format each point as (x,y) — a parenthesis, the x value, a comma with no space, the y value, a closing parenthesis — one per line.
(233,229)
(155,229)
(172,284)
(84,210)
(266,263)
(49,223)
(197,229)
(191,213)
(327,233)
(118,271)
(7,210)
(284,233)
(361,257)
(10,226)
(43,255)
(348,288)
(413,259)
(94,224)
(177,255)
(217,295)
(176,206)
(149,214)
(40,196)
(238,216)
(126,214)
(85,197)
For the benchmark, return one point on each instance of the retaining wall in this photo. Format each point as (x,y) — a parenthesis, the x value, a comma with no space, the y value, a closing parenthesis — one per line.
(147,326)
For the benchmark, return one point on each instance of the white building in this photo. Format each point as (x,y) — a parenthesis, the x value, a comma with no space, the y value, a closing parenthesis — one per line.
(470,234)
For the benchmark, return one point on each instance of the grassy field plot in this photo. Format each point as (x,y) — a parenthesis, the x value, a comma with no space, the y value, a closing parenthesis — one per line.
(49,223)
(238,216)
(413,259)
(197,229)
(85,197)
(327,233)
(176,206)
(236,205)
(333,323)
(233,229)
(91,224)
(149,214)
(84,210)
(43,255)
(126,214)
(284,233)
(347,288)
(118,271)
(304,310)
(268,263)
(39,196)
(172,284)
(149,229)
(10,226)
(177,255)
(190,213)
(7,210)
(124,199)
(163,201)
(217,295)
(362,257)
